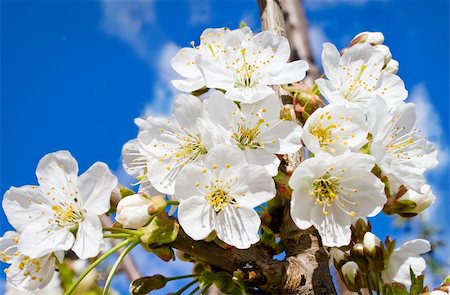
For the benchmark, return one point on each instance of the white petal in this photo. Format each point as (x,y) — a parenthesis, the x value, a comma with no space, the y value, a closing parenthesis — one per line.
(89,240)
(286,134)
(132,160)
(334,228)
(256,186)
(329,91)
(38,240)
(189,85)
(191,176)
(330,61)
(284,73)
(224,157)
(260,157)
(301,205)
(18,273)
(8,246)
(219,110)
(391,88)
(26,205)
(58,170)
(196,217)
(215,73)
(96,185)
(249,94)
(186,109)
(417,246)
(184,63)
(163,175)
(238,226)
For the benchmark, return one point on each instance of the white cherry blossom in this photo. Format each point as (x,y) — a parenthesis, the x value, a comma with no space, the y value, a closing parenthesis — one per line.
(171,143)
(403,258)
(220,195)
(254,128)
(356,77)
(248,64)
(25,273)
(329,191)
(335,129)
(401,152)
(373,38)
(48,215)
(213,43)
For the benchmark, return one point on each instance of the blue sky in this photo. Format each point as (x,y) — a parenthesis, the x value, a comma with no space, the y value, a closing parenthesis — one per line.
(74,74)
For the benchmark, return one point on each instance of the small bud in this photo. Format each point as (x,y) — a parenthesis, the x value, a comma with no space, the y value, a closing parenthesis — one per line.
(383,49)
(370,242)
(374,38)
(146,284)
(392,66)
(352,276)
(132,211)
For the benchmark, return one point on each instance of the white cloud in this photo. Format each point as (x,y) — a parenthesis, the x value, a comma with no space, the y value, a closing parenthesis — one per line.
(163,90)
(317,37)
(200,12)
(428,122)
(130,22)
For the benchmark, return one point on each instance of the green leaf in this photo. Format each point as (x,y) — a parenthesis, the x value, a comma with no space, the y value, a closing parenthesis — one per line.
(223,281)
(394,289)
(161,230)
(416,283)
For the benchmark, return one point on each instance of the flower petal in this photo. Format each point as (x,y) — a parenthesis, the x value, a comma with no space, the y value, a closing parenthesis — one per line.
(238,226)
(89,240)
(41,239)
(196,217)
(96,185)
(58,170)
(26,205)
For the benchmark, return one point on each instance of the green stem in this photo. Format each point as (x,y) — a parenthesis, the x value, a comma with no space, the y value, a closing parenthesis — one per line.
(369,287)
(116,265)
(182,277)
(195,290)
(172,202)
(94,264)
(116,236)
(186,287)
(132,232)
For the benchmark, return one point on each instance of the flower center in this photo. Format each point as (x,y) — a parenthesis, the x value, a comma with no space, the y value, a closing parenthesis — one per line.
(324,189)
(190,148)
(324,135)
(328,190)
(248,138)
(218,196)
(355,82)
(67,214)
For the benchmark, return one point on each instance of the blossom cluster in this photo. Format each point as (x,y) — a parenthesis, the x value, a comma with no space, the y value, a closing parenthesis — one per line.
(219,158)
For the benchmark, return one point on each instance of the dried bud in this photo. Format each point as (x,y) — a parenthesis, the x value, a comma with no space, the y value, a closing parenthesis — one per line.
(392,66)
(146,284)
(352,276)
(132,211)
(374,38)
